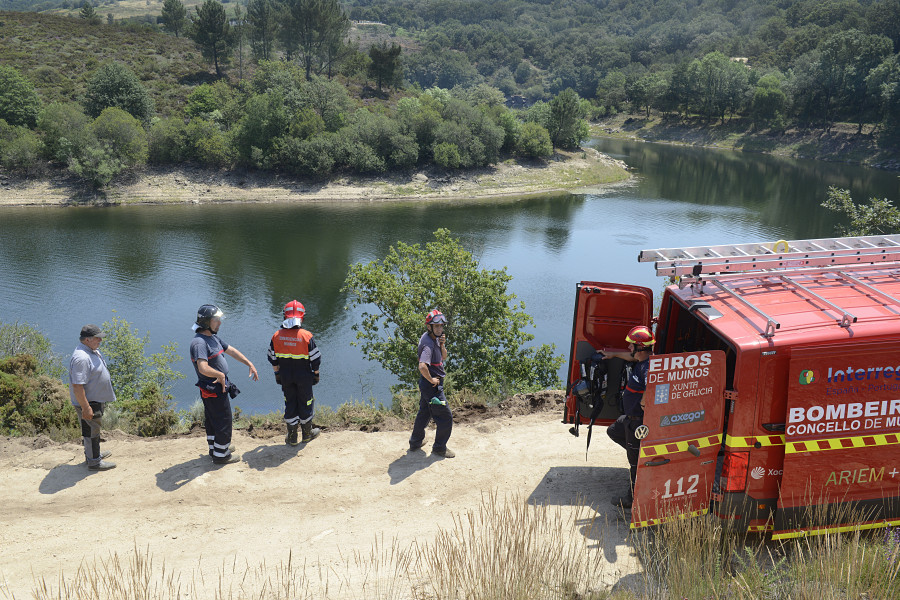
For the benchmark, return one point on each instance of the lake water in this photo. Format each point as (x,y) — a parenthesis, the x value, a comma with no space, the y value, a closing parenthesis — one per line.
(154,265)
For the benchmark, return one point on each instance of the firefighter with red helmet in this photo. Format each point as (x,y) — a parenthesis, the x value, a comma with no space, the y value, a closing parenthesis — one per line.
(640,346)
(432,352)
(295,358)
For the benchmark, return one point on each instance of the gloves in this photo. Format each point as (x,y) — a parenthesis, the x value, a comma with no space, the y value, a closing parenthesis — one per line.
(278,378)
(315,378)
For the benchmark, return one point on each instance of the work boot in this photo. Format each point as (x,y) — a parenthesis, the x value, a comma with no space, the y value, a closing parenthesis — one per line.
(291,437)
(102,466)
(446,453)
(416,446)
(309,433)
(226,460)
(104,454)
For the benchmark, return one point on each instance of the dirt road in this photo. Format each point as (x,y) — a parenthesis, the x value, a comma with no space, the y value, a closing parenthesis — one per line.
(320,501)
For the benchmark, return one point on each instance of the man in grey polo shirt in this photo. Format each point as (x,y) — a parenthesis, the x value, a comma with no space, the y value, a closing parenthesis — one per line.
(90,388)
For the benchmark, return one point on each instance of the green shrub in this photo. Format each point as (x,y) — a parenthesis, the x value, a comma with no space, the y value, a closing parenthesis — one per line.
(206,143)
(21,338)
(142,383)
(96,164)
(31,403)
(21,151)
(150,413)
(19,103)
(63,127)
(123,134)
(115,85)
(166,141)
(447,155)
(534,141)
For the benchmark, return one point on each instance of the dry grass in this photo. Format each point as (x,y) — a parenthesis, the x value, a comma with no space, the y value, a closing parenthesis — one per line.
(507,549)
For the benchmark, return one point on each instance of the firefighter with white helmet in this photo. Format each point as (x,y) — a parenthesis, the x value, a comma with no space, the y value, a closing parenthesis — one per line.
(432,352)
(208,356)
(295,358)
(640,346)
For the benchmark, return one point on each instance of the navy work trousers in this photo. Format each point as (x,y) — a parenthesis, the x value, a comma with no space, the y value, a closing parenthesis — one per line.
(298,398)
(622,433)
(441,414)
(217,420)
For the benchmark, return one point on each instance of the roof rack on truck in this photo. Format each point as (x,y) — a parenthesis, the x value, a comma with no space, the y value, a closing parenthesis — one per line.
(783,262)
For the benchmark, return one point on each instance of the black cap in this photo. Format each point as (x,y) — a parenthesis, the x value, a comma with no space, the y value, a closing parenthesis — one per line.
(91,331)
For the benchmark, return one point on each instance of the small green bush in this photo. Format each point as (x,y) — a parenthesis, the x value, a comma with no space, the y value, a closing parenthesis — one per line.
(63,127)
(115,85)
(166,142)
(534,141)
(447,155)
(19,103)
(31,403)
(142,383)
(22,338)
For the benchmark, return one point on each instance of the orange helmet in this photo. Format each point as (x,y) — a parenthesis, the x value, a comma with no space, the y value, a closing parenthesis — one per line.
(436,317)
(641,337)
(293,314)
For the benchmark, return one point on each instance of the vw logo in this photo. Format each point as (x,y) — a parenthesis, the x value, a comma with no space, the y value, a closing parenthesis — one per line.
(641,432)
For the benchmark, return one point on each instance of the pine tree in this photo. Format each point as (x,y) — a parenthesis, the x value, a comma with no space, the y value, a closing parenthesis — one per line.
(174,16)
(211,31)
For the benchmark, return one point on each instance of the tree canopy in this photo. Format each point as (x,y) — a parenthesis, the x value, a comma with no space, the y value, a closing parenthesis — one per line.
(487,333)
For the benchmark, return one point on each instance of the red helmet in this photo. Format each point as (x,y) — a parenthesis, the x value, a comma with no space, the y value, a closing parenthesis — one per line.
(293,314)
(436,317)
(641,337)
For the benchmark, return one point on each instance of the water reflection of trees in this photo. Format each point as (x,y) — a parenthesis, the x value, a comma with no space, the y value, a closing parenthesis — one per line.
(783,192)
(304,251)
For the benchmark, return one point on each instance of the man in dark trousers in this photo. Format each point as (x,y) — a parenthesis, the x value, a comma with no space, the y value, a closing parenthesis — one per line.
(208,356)
(640,345)
(295,358)
(90,389)
(432,353)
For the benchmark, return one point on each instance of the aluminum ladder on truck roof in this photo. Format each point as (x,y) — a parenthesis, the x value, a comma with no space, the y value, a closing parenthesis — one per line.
(776,260)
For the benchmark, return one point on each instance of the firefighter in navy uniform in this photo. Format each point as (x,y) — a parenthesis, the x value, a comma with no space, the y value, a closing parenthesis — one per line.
(640,345)
(295,360)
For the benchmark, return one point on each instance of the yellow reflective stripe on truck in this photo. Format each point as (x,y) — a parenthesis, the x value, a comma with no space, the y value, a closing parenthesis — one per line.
(782,535)
(750,441)
(651,522)
(846,443)
(674,447)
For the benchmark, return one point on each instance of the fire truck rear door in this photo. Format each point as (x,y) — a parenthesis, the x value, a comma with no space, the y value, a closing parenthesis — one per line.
(604,314)
(684,415)
(842,440)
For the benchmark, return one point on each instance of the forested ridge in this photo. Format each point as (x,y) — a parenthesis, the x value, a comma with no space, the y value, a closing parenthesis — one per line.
(311,88)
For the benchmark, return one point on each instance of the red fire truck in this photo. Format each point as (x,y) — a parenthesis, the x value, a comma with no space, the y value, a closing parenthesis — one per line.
(774,385)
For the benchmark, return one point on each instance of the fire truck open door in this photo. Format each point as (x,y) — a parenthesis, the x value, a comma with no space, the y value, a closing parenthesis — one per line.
(842,441)
(684,415)
(604,314)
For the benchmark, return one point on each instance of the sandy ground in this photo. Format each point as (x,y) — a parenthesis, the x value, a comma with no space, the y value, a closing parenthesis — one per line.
(321,501)
(566,171)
